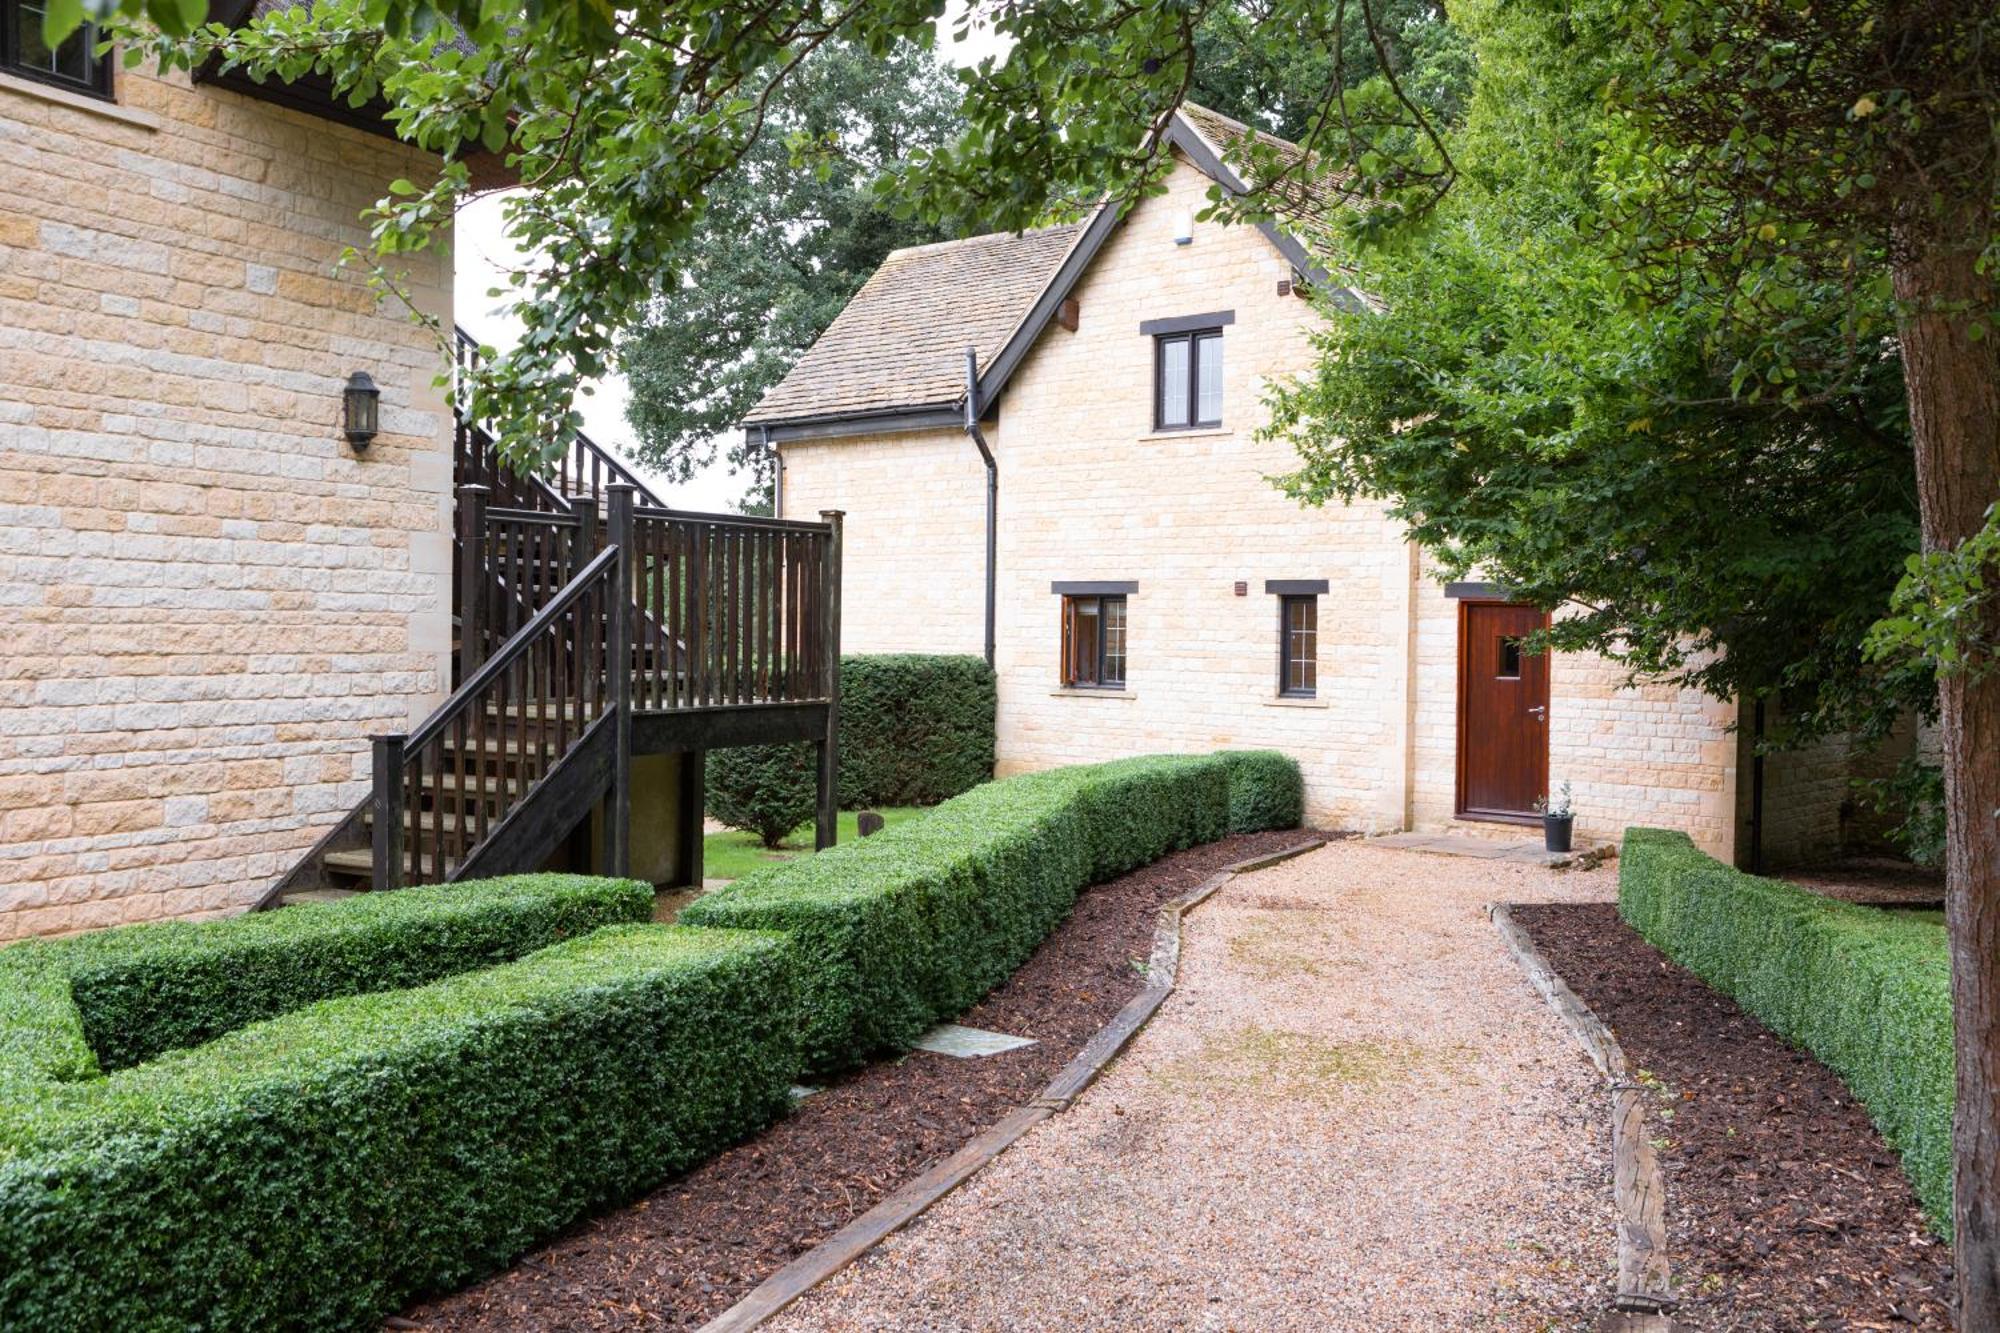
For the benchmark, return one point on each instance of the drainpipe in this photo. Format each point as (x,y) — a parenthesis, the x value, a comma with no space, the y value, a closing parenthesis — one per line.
(992,486)
(777,472)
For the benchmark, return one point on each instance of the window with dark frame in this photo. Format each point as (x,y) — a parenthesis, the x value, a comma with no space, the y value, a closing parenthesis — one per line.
(74,63)
(1187,380)
(1093,642)
(1298,646)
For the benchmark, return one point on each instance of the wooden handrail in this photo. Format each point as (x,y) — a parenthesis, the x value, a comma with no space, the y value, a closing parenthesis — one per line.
(510,652)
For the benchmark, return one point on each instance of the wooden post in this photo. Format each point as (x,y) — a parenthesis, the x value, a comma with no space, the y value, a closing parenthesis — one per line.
(618,652)
(688,869)
(827,826)
(472,580)
(388,799)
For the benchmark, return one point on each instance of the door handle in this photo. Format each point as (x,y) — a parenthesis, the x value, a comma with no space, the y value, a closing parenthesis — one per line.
(1540,710)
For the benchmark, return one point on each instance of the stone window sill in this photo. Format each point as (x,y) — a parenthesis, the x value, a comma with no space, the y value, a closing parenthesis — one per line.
(96,106)
(1204,433)
(1280,701)
(1069,693)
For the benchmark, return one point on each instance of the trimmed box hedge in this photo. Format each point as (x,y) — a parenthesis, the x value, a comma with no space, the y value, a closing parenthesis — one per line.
(1866,991)
(916,923)
(1266,790)
(915,728)
(74,1007)
(319,1169)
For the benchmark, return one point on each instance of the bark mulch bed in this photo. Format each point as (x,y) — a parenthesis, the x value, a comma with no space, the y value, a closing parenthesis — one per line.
(1785,1209)
(1874,881)
(687,1252)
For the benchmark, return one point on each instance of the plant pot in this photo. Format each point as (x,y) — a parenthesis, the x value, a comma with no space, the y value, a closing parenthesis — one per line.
(1555,832)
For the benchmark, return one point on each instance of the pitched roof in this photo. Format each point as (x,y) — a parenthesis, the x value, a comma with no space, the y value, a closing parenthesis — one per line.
(1305,194)
(900,343)
(894,358)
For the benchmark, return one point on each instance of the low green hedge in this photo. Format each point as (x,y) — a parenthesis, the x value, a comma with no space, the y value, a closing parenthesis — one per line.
(113,998)
(1867,991)
(915,728)
(1266,790)
(319,1169)
(914,924)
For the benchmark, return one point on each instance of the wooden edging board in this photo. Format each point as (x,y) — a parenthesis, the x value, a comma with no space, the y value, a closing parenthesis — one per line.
(855,1239)
(1645,1286)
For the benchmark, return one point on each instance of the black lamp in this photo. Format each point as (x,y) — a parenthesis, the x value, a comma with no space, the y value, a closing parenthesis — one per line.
(362,401)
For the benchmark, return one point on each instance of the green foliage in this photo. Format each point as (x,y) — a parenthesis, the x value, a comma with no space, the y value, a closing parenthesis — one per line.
(900,930)
(1539,426)
(783,243)
(731,854)
(768,790)
(318,1169)
(1866,991)
(1913,797)
(915,728)
(108,999)
(1266,790)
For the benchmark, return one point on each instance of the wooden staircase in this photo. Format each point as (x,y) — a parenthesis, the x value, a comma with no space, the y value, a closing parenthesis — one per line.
(587,613)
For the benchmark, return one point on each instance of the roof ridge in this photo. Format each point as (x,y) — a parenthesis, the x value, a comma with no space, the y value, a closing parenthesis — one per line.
(932,247)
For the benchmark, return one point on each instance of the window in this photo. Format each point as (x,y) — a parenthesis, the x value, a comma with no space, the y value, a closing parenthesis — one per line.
(74,63)
(1187,380)
(1093,633)
(1510,657)
(1298,646)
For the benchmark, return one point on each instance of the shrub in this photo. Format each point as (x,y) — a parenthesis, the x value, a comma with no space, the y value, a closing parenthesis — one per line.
(318,1169)
(916,923)
(115,998)
(915,728)
(1266,790)
(1866,991)
(768,790)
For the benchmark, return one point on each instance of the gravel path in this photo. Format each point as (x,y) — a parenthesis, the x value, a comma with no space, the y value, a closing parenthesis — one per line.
(1353,1113)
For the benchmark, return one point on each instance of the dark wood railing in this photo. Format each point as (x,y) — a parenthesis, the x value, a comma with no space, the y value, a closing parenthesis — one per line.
(584,474)
(563,642)
(738,606)
(442,789)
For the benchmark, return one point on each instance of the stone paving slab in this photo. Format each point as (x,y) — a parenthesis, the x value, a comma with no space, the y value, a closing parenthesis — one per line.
(969,1043)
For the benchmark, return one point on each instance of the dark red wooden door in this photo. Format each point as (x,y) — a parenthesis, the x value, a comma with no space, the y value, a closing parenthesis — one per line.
(1503,712)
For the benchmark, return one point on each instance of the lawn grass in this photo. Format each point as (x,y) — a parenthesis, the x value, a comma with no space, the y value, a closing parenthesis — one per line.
(731,854)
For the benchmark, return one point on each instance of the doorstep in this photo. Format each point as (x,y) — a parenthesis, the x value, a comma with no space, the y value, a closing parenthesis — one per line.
(1485,849)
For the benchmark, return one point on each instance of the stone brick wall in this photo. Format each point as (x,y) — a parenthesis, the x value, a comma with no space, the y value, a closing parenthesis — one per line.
(210,600)
(913,557)
(1090,492)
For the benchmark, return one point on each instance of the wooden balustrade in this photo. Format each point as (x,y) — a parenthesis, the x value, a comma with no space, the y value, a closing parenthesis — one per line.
(733,610)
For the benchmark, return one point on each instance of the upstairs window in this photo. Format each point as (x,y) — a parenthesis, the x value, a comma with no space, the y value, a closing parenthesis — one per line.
(1187,380)
(74,63)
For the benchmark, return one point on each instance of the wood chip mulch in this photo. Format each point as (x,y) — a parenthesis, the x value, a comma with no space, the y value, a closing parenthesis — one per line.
(685,1253)
(1785,1208)
(1873,881)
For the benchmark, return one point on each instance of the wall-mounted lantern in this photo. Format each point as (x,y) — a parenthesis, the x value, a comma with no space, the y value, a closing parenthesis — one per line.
(1184,227)
(362,402)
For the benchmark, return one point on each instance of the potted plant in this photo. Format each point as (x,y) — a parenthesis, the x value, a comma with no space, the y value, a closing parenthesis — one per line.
(1557,819)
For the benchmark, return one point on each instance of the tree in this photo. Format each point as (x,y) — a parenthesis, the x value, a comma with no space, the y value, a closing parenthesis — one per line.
(781,246)
(1852,142)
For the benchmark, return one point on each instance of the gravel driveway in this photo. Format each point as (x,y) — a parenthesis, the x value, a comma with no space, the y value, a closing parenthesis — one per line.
(1353,1113)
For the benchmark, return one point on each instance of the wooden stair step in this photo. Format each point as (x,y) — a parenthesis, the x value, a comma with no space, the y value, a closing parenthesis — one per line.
(360,863)
(300,897)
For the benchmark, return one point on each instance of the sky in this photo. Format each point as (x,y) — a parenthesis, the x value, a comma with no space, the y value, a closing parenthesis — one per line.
(482,253)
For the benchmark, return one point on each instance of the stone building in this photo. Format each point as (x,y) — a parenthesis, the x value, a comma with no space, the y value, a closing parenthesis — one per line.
(1154,591)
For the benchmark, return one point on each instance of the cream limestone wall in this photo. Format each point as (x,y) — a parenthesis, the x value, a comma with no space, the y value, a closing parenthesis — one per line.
(913,548)
(1089,492)
(209,600)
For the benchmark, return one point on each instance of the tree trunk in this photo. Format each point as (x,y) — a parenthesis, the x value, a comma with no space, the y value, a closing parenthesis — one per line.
(1954,391)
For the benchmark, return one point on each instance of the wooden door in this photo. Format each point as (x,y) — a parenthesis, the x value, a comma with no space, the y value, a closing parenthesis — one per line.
(1503,712)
